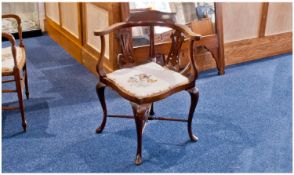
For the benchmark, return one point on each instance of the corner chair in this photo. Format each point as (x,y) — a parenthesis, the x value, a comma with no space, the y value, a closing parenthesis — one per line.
(143,83)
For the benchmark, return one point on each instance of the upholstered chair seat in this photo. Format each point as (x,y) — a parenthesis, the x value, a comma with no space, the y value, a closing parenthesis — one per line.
(147,80)
(7,59)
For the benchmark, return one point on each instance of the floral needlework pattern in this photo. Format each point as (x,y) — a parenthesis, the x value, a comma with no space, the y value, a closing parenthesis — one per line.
(6,57)
(141,80)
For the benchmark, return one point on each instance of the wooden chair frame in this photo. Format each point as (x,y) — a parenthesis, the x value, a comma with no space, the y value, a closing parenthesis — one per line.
(143,107)
(16,73)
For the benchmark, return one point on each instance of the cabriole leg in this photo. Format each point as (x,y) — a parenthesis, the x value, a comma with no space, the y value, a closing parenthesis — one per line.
(194,94)
(100,87)
(139,115)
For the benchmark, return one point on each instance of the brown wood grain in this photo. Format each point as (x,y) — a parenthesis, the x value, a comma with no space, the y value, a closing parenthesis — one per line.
(252,49)
(220,36)
(234,52)
(263,19)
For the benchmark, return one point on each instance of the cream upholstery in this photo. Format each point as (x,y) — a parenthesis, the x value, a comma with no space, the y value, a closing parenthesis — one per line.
(147,80)
(7,59)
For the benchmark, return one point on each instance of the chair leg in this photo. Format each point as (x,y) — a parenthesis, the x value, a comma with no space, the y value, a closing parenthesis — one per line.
(139,115)
(20,99)
(152,109)
(26,81)
(194,94)
(100,87)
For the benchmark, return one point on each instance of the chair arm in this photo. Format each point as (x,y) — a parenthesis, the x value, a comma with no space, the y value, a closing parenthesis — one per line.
(10,38)
(110,29)
(19,27)
(192,35)
(13,43)
(99,67)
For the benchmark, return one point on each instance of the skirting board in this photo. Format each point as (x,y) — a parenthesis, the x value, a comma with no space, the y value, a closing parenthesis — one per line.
(250,49)
(257,48)
(27,34)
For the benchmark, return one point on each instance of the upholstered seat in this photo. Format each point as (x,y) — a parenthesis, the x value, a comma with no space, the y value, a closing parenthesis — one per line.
(147,80)
(7,59)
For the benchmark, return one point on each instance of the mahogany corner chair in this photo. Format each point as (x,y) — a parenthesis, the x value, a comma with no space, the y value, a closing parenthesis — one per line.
(142,84)
(14,64)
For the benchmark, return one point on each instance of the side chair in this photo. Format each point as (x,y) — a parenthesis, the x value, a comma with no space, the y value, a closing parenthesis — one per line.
(142,84)
(14,66)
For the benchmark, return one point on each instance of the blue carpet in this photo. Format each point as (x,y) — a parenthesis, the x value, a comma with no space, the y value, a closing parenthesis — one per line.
(243,121)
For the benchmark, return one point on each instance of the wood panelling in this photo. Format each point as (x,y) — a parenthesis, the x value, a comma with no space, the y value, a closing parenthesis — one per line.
(105,5)
(241,21)
(114,17)
(279,18)
(52,11)
(96,18)
(70,13)
(204,59)
(234,52)
(66,41)
(252,49)
(100,20)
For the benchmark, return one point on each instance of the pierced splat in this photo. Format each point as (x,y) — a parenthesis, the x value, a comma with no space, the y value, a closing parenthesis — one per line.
(172,61)
(125,56)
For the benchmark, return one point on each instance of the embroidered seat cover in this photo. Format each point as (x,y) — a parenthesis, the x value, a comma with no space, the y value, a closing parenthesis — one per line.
(147,80)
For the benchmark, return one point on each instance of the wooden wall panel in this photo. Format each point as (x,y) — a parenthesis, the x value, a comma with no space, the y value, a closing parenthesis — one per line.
(70,17)
(241,21)
(52,11)
(67,42)
(96,18)
(253,49)
(279,19)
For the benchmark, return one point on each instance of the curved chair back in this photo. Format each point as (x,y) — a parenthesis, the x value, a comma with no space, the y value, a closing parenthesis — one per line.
(150,19)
